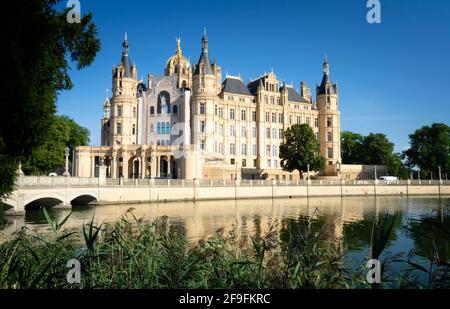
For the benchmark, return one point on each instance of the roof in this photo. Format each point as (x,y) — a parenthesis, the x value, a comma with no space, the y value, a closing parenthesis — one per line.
(204,58)
(126,62)
(294,96)
(253,85)
(235,85)
(326,80)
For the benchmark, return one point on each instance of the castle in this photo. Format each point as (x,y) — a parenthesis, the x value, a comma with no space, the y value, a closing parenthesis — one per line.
(190,124)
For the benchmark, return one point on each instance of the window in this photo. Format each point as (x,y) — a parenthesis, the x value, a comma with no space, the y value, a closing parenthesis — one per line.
(232,163)
(220,112)
(158,143)
(299,120)
(175,109)
(279,101)
(290,119)
(163,128)
(274,133)
(243,115)
(316,122)
(274,151)
(232,131)
(254,163)
(330,136)
(163,143)
(328,99)
(220,129)
(280,134)
(119,128)
(202,108)
(241,99)
(230,98)
(329,122)
(134,112)
(254,132)
(269,163)
(274,118)
(330,153)
(232,113)
(221,148)
(232,149)
(202,126)
(243,131)
(158,128)
(243,149)
(216,110)
(254,150)
(152,110)
(202,144)
(167,127)
(267,132)
(119,111)
(167,143)
(280,118)
(253,116)
(133,130)
(268,150)
(272,100)
(275,164)
(267,117)
(244,163)
(308,122)
(266,99)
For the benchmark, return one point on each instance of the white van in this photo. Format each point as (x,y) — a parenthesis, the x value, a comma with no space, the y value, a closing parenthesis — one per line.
(389,179)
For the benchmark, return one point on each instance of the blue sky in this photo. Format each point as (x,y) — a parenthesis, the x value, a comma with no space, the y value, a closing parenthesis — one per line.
(393,77)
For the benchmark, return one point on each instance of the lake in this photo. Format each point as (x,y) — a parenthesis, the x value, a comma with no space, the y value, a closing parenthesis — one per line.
(349,220)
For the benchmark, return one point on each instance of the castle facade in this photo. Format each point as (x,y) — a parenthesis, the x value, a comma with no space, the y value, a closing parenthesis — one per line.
(190,123)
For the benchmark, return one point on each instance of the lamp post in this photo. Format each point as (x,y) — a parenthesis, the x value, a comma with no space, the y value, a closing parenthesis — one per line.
(308,171)
(66,168)
(440,175)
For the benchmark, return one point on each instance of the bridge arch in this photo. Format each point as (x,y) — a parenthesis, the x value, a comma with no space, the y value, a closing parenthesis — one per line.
(83,198)
(46,200)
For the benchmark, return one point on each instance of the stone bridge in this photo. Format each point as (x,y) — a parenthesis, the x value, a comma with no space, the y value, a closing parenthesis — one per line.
(34,192)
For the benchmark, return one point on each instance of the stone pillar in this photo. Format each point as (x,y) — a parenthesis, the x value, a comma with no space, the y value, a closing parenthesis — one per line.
(92,166)
(169,167)
(158,166)
(114,167)
(143,165)
(125,167)
(102,175)
(153,167)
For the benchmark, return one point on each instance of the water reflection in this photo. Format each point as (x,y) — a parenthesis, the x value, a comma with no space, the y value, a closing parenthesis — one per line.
(420,224)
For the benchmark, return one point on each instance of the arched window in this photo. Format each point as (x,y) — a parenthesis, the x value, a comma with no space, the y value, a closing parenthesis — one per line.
(175,109)
(158,128)
(183,85)
(152,110)
(163,128)
(167,128)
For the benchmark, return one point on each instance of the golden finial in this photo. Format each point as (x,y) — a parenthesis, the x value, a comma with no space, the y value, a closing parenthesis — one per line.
(178,45)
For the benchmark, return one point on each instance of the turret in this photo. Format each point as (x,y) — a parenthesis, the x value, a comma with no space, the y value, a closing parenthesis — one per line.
(124,103)
(329,122)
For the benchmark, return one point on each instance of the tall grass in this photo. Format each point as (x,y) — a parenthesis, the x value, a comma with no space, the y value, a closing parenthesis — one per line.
(136,254)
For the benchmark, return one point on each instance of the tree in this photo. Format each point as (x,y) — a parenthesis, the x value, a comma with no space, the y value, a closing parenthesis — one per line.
(49,156)
(299,149)
(351,145)
(376,149)
(35,69)
(429,149)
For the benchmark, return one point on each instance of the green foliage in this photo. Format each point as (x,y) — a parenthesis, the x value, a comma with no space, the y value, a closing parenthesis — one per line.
(374,149)
(33,55)
(301,148)
(430,148)
(49,156)
(351,145)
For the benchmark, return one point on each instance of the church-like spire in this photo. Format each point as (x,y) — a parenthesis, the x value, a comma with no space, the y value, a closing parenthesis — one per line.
(326,80)
(126,61)
(204,57)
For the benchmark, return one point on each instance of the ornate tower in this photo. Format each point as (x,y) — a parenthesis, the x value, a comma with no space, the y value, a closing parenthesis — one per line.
(106,123)
(179,66)
(329,122)
(206,85)
(124,102)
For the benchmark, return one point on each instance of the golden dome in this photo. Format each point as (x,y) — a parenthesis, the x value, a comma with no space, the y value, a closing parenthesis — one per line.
(177,61)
